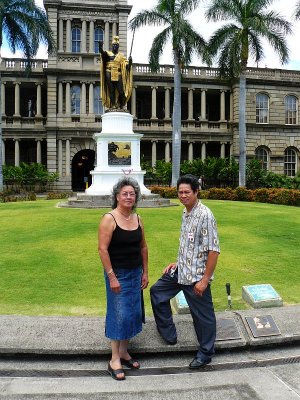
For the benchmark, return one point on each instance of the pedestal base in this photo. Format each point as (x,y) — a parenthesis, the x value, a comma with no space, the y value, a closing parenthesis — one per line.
(104,181)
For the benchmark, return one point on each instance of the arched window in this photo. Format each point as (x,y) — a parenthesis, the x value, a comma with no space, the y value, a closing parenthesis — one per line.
(75,99)
(76,40)
(290,162)
(262,154)
(291,108)
(262,108)
(98,107)
(99,37)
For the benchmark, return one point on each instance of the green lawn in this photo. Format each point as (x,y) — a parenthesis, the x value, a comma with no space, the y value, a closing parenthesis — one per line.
(50,266)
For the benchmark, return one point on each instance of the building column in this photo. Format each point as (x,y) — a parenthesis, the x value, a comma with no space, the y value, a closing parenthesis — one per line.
(222,155)
(3,151)
(17,99)
(83,98)
(38,152)
(3,98)
(222,106)
(38,100)
(60,157)
(92,37)
(68,98)
(133,101)
(68,36)
(203,105)
(191,151)
(167,152)
(17,153)
(153,153)
(60,35)
(231,107)
(114,29)
(203,151)
(190,104)
(68,157)
(167,103)
(106,36)
(91,98)
(153,103)
(83,36)
(60,97)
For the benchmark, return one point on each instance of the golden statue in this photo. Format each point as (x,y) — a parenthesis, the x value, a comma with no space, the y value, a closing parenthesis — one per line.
(115,77)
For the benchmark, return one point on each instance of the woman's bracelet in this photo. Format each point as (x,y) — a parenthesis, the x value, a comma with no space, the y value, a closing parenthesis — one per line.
(113,279)
(111,271)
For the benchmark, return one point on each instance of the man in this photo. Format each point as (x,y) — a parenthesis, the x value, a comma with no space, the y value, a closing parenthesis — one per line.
(192,273)
(116,77)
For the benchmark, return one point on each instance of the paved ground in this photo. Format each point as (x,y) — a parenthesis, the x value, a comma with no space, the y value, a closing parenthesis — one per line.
(66,358)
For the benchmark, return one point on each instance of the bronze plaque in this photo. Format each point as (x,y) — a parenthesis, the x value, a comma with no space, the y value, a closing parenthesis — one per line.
(262,325)
(227,329)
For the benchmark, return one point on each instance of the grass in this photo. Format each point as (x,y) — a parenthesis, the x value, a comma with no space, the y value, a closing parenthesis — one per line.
(49,263)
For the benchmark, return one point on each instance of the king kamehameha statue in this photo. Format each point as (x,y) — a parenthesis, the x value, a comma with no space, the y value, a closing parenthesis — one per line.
(115,77)
(118,147)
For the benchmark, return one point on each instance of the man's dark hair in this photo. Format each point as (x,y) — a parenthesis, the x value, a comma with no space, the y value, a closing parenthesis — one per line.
(189,179)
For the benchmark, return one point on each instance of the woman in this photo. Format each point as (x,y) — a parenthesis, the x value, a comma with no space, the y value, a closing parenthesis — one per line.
(124,256)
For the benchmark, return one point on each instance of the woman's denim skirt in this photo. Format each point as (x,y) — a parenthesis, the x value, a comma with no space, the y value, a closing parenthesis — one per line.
(124,309)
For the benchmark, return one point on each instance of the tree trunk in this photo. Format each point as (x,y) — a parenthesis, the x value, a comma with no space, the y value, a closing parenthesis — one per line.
(176,120)
(1,161)
(242,130)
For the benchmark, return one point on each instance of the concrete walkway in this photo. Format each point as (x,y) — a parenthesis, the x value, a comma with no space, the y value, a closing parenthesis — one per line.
(84,335)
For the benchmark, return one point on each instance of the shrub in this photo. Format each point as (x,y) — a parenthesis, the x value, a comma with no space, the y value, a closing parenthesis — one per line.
(8,196)
(289,197)
(58,195)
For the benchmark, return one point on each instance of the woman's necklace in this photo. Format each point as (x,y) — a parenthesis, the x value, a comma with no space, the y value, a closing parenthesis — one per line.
(126,217)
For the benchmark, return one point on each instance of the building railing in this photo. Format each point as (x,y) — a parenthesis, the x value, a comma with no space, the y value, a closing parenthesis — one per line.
(19,64)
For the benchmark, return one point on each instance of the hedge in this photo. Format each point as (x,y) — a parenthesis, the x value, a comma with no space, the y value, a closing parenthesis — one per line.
(289,197)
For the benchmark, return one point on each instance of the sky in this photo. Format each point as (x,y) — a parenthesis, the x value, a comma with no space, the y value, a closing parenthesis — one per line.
(144,36)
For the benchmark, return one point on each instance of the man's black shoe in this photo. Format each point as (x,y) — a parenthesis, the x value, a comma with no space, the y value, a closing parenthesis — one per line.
(196,364)
(171,342)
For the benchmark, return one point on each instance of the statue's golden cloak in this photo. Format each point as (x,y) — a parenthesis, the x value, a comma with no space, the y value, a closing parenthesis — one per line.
(118,66)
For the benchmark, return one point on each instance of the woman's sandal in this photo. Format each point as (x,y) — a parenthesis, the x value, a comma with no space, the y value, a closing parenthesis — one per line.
(115,372)
(130,363)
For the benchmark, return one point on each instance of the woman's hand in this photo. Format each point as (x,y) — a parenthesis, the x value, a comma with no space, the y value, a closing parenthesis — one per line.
(145,280)
(115,285)
(170,266)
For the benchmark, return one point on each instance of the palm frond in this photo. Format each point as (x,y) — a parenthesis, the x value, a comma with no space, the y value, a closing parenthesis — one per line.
(148,17)
(156,50)
(297,11)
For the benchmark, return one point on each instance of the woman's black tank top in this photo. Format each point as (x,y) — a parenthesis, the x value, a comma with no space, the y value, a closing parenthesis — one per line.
(125,248)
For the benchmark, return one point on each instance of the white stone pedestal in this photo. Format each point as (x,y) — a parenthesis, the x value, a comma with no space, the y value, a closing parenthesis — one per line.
(118,154)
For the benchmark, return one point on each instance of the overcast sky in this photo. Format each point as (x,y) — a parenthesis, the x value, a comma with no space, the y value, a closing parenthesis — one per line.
(144,36)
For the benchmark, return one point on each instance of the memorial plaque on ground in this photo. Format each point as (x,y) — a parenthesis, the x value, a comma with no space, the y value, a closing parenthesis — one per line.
(262,325)
(261,296)
(227,329)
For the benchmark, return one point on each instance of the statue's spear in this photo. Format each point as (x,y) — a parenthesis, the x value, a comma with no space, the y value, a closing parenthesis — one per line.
(132,42)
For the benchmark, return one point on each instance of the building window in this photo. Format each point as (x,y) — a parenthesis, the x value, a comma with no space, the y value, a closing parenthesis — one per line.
(76,40)
(262,154)
(75,100)
(262,109)
(290,162)
(99,37)
(98,107)
(291,106)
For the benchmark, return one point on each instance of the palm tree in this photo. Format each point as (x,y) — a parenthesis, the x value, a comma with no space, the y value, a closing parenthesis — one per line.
(297,13)
(185,43)
(25,26)
(233,43)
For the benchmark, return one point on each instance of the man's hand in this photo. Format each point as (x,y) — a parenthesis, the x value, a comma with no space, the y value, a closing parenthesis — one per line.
(201,286)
